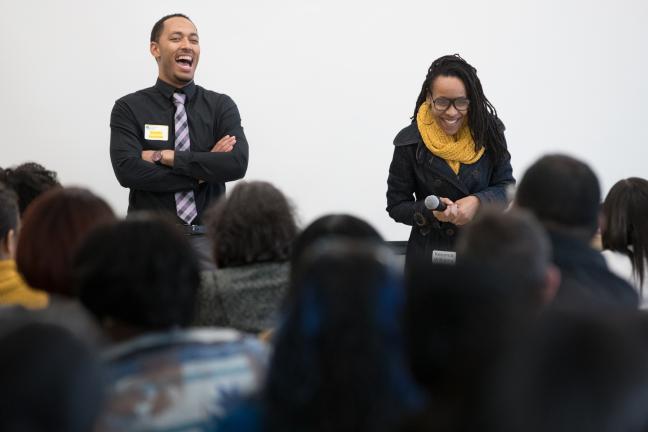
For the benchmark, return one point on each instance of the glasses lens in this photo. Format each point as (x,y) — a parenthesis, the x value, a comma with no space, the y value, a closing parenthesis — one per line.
(441,103)
(461,103)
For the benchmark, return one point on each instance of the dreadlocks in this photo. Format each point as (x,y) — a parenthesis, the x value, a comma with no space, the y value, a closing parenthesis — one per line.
(486,128)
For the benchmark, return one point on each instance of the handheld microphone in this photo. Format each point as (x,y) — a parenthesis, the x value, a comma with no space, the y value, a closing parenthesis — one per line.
(432,202)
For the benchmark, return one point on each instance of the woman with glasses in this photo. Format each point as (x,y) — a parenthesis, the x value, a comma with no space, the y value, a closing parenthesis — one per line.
(453,149)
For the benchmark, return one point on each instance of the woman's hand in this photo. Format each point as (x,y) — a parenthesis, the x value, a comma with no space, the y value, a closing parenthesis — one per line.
(466,209)
(460,212)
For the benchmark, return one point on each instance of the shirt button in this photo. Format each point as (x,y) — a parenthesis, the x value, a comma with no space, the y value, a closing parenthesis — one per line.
(450,232)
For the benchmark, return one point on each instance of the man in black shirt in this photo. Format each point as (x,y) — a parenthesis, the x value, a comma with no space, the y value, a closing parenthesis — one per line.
(167,169)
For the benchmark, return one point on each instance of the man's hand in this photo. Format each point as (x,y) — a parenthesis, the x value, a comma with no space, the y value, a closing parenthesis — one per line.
(147,155)
(224,145)
(167,156)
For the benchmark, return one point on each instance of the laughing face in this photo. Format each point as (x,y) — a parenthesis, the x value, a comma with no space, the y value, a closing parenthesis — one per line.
(450,88)
(177,51)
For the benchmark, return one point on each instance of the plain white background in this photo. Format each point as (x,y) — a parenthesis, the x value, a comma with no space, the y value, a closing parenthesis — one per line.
(323,86)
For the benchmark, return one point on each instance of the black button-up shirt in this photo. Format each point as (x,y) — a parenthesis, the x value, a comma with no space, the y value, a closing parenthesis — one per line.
(210,116)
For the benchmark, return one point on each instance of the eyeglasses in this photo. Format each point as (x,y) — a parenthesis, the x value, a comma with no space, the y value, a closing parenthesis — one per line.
(442,104)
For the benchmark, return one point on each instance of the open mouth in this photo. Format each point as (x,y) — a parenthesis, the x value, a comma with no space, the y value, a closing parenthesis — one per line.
(184,61)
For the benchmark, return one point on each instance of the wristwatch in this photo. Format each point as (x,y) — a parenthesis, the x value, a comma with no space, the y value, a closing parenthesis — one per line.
(157,157)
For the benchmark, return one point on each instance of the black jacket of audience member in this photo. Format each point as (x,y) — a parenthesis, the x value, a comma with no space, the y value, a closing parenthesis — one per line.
(586,280)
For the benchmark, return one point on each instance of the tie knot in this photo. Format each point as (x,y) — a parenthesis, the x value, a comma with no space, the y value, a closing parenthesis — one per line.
(179,98)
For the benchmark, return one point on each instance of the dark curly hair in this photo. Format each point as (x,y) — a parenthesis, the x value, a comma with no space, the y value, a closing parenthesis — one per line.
(28,180)
(486,128)
(254,224)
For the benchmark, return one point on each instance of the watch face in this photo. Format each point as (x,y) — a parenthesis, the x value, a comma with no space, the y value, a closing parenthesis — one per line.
(157,156)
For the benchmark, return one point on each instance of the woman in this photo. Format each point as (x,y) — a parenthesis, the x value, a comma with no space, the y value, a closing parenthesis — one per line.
(625,232)
(338,362)
(454,149)
(252,231)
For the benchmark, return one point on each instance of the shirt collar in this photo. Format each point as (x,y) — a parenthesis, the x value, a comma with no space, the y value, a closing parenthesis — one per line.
(167,90)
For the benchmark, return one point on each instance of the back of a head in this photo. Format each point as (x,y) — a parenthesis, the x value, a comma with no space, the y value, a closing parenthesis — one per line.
(255,223)
(9,216)
(563,193)
(28,180)
(53,227)
(142,272)
(338,354)
(625,221)
(50,381)
(575,373)
(459,320)
(513,244)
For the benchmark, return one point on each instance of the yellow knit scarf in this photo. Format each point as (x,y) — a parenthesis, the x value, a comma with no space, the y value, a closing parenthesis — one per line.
(455,152)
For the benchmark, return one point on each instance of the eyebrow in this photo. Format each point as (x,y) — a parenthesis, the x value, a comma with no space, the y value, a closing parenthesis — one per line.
(179,33)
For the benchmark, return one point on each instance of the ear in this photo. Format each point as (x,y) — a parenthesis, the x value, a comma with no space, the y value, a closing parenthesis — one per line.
(551,285)
(155,50)
(8,245)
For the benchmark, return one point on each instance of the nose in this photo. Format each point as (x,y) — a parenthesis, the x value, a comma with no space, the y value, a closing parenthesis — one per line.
(452,110)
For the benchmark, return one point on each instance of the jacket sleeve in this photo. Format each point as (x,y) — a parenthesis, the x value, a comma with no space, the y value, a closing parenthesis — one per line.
(126,157)
(218,167)
(401,184)
(501,179)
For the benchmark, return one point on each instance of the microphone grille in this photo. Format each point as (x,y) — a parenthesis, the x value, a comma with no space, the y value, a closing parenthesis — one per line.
(432,202)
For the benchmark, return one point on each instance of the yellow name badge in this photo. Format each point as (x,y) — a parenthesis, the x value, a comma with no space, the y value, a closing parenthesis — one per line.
(156,132)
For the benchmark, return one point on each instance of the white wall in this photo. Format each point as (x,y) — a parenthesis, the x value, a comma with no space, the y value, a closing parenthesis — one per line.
(323,86)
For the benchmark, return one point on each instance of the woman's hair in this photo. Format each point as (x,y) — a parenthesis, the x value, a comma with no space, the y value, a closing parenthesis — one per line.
(141,271)
(486,128)
(338,360)
(54,226)
(28,180)
(625,222)
(254,224)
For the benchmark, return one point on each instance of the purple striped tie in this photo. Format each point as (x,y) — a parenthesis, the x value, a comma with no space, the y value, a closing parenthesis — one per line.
(185,200)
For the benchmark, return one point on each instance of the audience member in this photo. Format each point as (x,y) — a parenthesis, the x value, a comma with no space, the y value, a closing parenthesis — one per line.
(338,363)
(13,289)
(139,278)
(252,232)
(460,320)
(575,373)
(51,382)
(564,195)
(28,180)
(625,233)
(514,245)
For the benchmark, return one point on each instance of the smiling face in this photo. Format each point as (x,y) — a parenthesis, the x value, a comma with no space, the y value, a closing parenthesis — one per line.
(177,51)
(448,87)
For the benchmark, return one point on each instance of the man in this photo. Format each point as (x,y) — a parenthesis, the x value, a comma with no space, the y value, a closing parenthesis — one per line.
(176,144)
(564,195)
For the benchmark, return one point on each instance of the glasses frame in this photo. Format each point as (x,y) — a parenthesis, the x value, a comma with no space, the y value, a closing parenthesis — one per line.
(452,102)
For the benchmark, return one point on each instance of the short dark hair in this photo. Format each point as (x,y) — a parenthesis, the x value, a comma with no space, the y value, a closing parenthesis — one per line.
(563,193)
(513,243)
(158,27)
(28,180)
(625,222)
(50,381)
(141,271)
(54,226)
(255,223)
(8,211)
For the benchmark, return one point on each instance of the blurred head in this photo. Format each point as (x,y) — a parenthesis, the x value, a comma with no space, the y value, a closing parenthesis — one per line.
(515,245)
(9,223)
(338,360)
(53,227)
(449,82)
(575,373)
(50,381)
(254,224)
(625,222)
(563,193)
(28,180)
(459,320)
(141,272)
(176,49)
